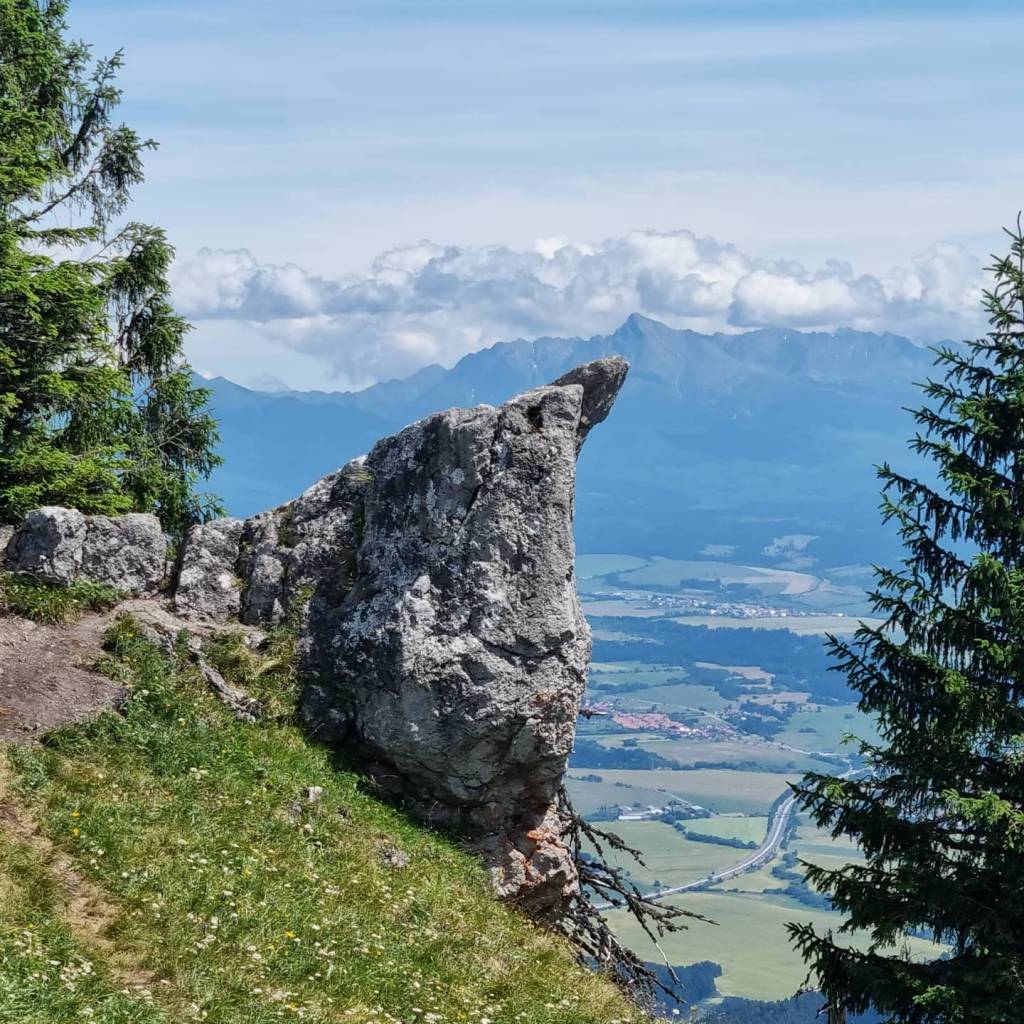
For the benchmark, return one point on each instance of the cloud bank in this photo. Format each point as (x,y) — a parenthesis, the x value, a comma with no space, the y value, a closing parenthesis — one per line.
(428,303)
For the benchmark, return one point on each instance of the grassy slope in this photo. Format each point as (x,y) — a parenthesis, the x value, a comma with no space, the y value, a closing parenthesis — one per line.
(245,901)
(47,974)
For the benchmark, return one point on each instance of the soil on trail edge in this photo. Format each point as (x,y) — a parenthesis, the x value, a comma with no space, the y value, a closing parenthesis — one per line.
(46,677)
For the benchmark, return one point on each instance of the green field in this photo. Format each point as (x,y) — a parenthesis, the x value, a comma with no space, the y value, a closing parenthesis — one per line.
(616,608)
(753,881)
(738,751)
(829,724)
(749,941)
(817,847)
(720,790)
(587,797)
(778,585)
(674,697)
(670,858)
(749,829)
(669,572)
(640,671)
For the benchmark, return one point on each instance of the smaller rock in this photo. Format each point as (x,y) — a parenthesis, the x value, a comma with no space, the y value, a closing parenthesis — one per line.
(392,857)
(208,586)
(6,533)
(127,552)
(48,544)
(313,794)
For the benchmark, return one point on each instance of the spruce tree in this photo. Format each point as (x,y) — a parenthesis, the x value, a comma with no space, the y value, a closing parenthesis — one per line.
(97,406)
(939,811)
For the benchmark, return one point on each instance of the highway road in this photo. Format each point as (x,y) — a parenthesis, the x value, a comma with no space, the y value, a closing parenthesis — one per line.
(764,853)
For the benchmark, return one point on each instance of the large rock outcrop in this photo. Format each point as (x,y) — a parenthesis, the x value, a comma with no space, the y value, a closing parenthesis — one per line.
(456,660)
(443,645)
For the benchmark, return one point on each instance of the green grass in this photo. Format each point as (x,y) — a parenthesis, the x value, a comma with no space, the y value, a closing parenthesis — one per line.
(669,572)
(259,905)
(46,973)
(828,725)
(687,752)
(641,672)
(750,941)
(25,595)
(675,696)
(589,796)
(722,791)
(669,857)
(750,829)
(589,566)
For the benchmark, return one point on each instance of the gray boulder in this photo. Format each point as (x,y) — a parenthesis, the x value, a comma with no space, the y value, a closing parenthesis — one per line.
(208,585)
(454,657)
(48,544)
(6,533)
(127,552)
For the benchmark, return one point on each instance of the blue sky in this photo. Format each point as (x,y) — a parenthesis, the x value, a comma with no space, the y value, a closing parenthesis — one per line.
(826,148)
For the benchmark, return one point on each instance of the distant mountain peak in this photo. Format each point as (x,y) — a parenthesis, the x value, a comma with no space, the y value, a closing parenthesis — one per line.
(638,325)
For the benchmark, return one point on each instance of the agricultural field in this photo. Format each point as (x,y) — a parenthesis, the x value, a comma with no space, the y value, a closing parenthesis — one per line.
(642,672)
(615,607)
(673,574)
(744,750)
(823,728)
(589,566)
(673,697)
(765,704)
(817,847)
(748,939)
(746,828)
(587,797)
(722,791)
(670,858)
(604,573)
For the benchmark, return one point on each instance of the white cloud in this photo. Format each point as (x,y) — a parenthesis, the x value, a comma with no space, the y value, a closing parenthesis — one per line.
(432,303)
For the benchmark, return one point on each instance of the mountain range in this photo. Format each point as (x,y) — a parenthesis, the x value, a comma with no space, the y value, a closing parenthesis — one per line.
(759,447)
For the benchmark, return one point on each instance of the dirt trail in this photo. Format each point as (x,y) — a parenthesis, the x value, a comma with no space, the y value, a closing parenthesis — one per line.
(46,677)
(87,911)
(46,680)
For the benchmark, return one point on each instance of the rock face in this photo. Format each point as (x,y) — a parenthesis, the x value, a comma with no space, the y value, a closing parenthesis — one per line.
(304,545)
(60,545)
(456,660)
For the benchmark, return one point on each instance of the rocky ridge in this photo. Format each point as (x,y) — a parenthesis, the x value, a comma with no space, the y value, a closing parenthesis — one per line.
(443,646)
